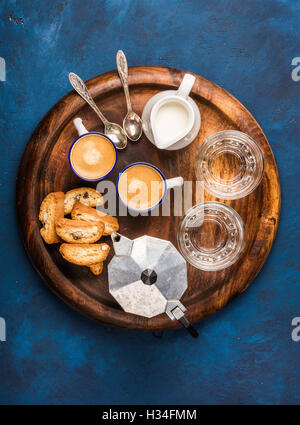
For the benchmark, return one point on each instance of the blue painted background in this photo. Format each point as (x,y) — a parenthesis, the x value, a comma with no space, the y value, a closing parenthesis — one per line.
(245,353)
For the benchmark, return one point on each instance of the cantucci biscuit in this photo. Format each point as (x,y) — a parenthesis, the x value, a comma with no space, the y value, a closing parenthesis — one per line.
(84,254)
(52,209)
(82,212)
(97,269)
(85,195)
(77,231)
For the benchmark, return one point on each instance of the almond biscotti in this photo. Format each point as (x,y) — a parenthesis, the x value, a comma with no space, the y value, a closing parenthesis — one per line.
(84,254)
(77,231)
(85,195)
(51,209)
(82,212)
(96,269)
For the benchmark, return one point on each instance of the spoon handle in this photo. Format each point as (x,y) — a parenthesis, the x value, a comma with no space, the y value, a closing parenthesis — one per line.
(123,73)
(82,90)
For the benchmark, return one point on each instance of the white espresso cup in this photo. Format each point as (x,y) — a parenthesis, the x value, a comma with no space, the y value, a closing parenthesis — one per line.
(173,117)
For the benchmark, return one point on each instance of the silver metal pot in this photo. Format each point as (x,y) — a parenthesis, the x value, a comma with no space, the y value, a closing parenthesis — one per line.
(148,276)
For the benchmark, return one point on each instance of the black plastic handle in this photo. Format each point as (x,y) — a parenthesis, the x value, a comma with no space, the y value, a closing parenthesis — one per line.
(186,324)
(192,331)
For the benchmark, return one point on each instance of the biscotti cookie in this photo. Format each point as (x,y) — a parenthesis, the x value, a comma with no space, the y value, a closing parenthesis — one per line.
(77,231)
(51,209)
(96,269)
(85,195)
(82,212)
(84,254)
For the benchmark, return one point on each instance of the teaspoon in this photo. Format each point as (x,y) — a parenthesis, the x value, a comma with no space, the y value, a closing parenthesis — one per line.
(114,131)
(132,123)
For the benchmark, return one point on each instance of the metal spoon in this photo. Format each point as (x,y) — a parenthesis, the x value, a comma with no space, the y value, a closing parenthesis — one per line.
(132,123)
(114,131)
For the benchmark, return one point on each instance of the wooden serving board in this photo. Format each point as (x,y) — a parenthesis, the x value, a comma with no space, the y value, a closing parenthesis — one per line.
(44,169)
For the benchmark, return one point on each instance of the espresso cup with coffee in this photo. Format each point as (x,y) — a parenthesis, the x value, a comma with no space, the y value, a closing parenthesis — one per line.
(142,187)
(92,156)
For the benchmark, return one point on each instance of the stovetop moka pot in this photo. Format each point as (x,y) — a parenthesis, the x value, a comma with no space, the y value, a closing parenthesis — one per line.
(148,276)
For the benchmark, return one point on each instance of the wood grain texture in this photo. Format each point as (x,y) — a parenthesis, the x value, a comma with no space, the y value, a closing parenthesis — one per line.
(44,169)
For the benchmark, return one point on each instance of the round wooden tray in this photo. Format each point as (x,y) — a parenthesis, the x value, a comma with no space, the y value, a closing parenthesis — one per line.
(44,169)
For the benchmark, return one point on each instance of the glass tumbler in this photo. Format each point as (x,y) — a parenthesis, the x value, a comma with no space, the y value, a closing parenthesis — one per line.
(229,164)
(211,236)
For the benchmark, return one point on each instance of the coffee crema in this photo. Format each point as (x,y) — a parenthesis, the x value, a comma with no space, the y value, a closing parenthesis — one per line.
(93,156)
(141,187)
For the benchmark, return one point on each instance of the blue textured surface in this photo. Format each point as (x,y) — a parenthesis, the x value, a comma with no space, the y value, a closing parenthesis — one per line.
(245,353)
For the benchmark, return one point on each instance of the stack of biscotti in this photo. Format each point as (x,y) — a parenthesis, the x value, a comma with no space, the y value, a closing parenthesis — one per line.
(80,232)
